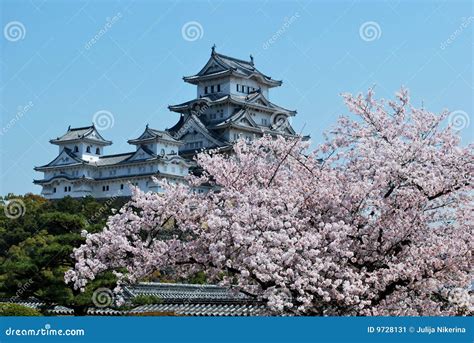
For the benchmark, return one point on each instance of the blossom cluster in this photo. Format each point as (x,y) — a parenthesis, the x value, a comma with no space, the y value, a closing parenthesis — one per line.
(377,220)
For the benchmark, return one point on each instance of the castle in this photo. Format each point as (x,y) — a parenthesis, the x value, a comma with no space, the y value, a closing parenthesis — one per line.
(232,102)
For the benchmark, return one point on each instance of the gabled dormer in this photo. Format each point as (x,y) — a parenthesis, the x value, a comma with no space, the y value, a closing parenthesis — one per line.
(158,142)
(142,154)
(84,142)
(65,158)
(228,75)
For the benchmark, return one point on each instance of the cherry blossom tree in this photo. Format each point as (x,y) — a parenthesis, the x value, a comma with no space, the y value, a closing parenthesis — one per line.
(375,221)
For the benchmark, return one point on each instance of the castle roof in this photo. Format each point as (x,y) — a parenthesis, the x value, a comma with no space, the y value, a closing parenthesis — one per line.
(65,158)
(177,299)
(86,133)
(154,135)
(220,65)
(255,99)
(142,154)
(193,124)
(107,160)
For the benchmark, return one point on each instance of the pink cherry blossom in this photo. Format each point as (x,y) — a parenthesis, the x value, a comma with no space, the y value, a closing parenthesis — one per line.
(377,220)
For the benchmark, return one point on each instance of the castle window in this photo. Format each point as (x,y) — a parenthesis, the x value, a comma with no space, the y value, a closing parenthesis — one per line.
(218,88)
(205,90)
(54,190)
(162,152)
(238,88)
(264,121)
(76,149)
(172,152)
(97,151)
(65,189)
(88,149)
(121,186)
(212,89)
(69,188)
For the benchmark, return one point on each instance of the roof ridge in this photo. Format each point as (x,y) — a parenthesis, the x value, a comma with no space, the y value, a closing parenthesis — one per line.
(114,155)
(234,59)
(81,128)
(194,285)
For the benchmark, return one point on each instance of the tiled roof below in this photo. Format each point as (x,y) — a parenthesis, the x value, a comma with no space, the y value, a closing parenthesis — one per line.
(107,160)
(176,299)
(185,292)
(191,309)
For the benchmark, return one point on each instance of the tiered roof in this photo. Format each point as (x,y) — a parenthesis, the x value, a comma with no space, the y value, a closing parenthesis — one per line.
(150,135)
(243,120)
(253,100)
(87,133)
(220,65)
(197,125)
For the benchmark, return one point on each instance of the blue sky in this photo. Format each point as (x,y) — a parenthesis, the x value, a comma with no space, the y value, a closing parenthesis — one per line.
(51,77)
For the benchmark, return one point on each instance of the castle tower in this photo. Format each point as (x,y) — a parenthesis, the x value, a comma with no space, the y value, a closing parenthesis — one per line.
(232,101)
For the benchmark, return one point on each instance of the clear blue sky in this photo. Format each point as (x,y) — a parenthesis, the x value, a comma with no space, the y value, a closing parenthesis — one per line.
(134,70)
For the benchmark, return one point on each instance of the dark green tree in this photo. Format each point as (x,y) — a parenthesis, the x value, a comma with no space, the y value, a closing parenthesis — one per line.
(36,247)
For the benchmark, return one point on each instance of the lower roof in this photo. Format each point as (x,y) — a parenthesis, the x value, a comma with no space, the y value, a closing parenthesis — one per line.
(175,299)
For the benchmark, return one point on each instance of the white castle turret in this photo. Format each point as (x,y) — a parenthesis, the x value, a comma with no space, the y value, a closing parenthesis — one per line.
(232,101)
